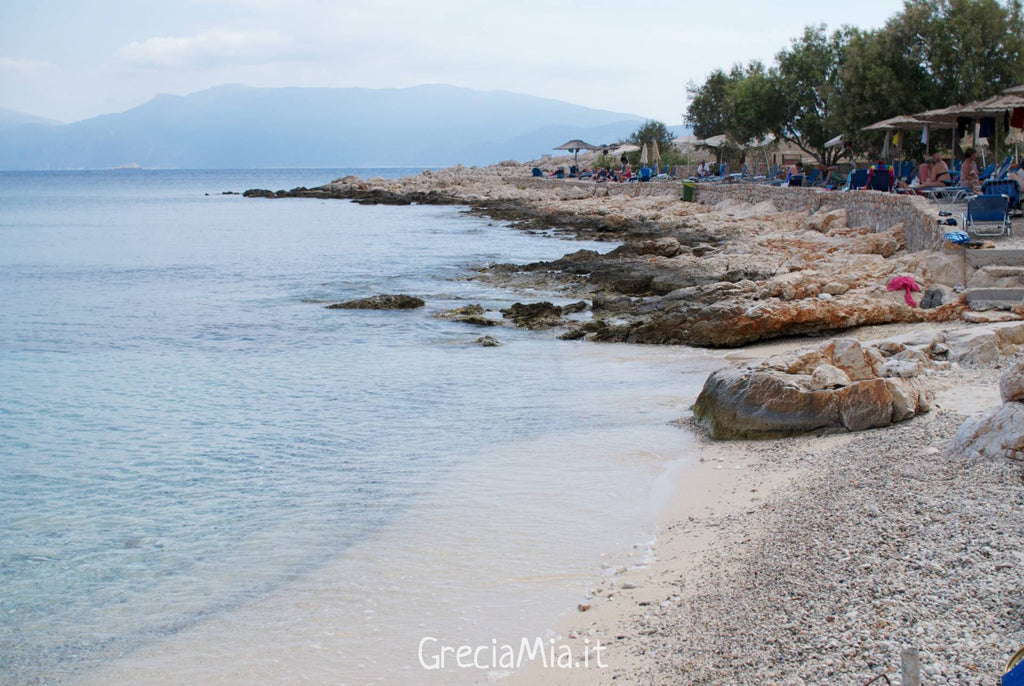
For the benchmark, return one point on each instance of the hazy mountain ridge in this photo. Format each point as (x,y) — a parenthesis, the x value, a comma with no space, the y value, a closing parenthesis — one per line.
(240,127)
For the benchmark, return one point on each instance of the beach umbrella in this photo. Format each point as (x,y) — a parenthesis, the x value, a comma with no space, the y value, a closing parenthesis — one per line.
(834,142)
(643,155)
(574,146)
(1015,90)
(655,154)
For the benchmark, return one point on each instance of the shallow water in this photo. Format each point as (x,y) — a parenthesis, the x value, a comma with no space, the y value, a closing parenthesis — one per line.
(200,461)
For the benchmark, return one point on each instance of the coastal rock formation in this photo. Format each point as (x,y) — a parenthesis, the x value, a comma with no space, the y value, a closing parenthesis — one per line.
(380,302)
(847,385)
(542,315)
(753,263)
(469,314)
(998,432)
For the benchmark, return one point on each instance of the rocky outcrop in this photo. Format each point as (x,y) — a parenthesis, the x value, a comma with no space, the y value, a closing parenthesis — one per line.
(998,432)
(469,314)
(838,386)
(542,315)
(847,385)
(380,302)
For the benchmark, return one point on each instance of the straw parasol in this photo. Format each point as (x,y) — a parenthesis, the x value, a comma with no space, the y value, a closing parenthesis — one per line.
(574,146)
(655,154)
(643,155)
(1015,90)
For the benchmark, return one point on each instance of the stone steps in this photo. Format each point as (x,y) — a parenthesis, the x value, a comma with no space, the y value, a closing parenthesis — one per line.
(1006,257)
(999,298)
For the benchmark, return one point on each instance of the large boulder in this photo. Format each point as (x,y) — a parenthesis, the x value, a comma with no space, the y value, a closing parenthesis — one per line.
(836,386)
(990,433)
(1011,384)
(745,403)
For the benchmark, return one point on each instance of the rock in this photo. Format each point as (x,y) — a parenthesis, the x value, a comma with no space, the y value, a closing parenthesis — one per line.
(744,403)
(865,405)
(1011,384)
(469,314)
(849,355)
(572,308)
(827,376)
(380,302)
(488,342)
(542,315)
(259,193)
(906,401)
(835,288)
(989,434)
(973,346)
(904,369)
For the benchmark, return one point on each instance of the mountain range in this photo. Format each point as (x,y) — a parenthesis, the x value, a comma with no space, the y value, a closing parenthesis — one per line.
(244,127)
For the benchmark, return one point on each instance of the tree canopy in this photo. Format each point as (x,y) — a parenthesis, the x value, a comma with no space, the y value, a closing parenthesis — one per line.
(932,54)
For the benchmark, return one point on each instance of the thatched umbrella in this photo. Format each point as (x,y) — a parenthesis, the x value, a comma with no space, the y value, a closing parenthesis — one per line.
(1015,90)
(574,146)
(655,155)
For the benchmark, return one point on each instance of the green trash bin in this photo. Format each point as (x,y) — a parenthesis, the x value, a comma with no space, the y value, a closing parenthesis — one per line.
(688,188)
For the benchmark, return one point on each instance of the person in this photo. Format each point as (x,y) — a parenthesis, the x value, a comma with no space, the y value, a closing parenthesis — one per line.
(702,170)
(969,174)
(939,175)
(626,172)
(878,169)
(1016,172)
(795,176)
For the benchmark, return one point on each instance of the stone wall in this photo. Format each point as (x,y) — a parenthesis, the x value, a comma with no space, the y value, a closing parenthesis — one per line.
(657,187)
(879,211)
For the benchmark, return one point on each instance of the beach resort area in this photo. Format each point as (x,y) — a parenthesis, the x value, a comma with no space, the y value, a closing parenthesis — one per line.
(856,510)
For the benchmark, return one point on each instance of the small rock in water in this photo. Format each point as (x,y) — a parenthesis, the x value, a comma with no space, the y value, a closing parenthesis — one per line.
(487,341)
(380,302)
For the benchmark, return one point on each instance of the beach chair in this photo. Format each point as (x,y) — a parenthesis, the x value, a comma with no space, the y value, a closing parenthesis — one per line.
(858,179)
(1000,172)
(1007,187)
(881,181)
(987,215)
(812,178)
(987,171)
(537,171)
(906,170)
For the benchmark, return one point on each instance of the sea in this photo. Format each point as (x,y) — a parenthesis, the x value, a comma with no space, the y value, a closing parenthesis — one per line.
(206,476)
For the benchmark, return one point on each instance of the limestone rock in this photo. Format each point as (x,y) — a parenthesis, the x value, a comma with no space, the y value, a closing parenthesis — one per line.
(989,434)
(865,405)
(380,302)
(744,403)
(1011,384)
(827,376)
(487,342)
(469,314)
(542,315)
(849,355)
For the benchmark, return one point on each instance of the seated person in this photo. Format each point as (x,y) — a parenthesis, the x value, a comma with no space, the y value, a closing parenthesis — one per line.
(940,176)
(703,171)
(878,169)
(626,173)
(601,175)
(1016,172)
(969,174)
(795,175)
(924,175)
(573,171)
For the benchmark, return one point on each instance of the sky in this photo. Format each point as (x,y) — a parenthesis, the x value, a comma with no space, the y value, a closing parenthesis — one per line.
(74,59)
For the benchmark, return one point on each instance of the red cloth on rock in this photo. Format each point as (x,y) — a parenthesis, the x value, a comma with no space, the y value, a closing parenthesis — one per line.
(905,284)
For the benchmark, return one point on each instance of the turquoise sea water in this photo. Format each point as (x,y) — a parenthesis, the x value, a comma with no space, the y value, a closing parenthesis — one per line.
(186,432)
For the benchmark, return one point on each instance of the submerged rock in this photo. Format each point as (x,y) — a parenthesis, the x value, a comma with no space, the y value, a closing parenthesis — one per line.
(380,302)
(542,315)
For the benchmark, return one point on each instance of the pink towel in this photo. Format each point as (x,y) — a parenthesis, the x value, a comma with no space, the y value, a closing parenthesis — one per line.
(906,284)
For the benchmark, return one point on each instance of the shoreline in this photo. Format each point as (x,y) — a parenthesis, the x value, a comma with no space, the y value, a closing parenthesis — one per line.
(674,620)
(743,517)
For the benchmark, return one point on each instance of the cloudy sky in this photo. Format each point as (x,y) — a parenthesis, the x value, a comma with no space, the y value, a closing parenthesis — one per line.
(72,59)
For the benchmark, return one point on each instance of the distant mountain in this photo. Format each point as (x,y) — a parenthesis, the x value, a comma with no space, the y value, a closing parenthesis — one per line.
(12,118)
(242,127)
